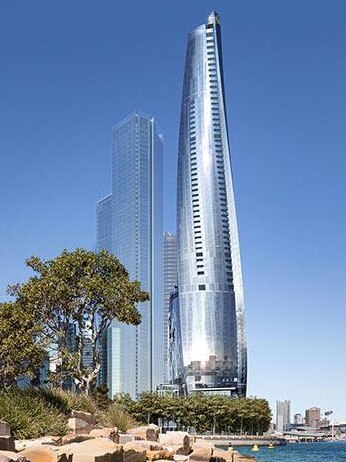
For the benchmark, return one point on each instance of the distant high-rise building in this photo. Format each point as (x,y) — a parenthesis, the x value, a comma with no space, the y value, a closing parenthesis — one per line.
(175,352)
(129,224)
(298,419)
(170,277)
(209,269)
(313,417)
(104,224)
(283,415)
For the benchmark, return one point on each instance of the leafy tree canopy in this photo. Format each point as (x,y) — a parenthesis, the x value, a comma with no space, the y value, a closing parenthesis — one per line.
(82,290)
(21,350)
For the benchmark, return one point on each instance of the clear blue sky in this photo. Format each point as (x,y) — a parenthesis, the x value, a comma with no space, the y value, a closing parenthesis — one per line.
(69,70)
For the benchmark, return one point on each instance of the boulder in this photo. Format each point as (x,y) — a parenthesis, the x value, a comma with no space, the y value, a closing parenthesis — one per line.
(95,450)
(180,458)
(131,455)
(9,456)
(86,416)
(159,455)
(107,432)
(68,439)
(7,443)
(5,429)
(50,440)
(181,439)
(79,426)
(178,451)
(45,454)
(225,455)
(201,454)
(142,445)
(125,438)
(148,433)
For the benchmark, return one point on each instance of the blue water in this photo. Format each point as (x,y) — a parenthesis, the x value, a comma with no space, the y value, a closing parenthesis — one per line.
(303,452)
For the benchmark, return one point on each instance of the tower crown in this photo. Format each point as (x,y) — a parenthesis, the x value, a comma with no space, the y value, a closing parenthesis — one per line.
(214,18)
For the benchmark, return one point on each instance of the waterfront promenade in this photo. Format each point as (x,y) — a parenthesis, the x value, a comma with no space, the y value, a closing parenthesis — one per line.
(237,440)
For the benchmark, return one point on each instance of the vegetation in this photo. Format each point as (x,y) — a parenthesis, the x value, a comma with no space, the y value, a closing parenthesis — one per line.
(217,414)
(21,350)
(115,416)
(80,289)
(29,415)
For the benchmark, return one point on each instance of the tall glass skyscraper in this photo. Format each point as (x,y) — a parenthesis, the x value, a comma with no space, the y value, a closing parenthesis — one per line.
(130,226)
(209,269)
(170,280)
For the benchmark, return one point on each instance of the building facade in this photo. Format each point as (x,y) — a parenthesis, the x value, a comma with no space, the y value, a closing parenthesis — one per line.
(175,352)
(283,415)
(298,419)
(130,226)
(209,269)
(170,280)
(313,417)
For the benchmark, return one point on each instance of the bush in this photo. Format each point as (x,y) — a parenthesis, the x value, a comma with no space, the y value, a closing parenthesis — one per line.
(65,400)
(29,415)
(115,416)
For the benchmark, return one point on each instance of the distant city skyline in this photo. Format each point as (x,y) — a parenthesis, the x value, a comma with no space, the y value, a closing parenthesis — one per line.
(68,76)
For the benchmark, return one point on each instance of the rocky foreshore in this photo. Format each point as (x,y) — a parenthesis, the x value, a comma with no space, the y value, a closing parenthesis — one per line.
(89,442)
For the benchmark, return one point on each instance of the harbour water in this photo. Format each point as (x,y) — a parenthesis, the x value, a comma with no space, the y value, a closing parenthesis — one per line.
(302,452)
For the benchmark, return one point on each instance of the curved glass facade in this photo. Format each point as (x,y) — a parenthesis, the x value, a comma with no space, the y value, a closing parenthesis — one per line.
(209,270)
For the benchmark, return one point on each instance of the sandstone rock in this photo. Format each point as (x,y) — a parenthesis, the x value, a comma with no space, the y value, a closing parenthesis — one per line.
(142,445)
(178,451)
(107,432)
(180,458)
(5,429)
(86,416)
(9,456)
(179,442)
(201,454)
(79,426)
(144,433)
(155,427)
(217,459)
(45,454)
(125,438)
(68,439)
(7,443)
(225,455)
(95,450)
(50,440)
(130,455)
(159,455)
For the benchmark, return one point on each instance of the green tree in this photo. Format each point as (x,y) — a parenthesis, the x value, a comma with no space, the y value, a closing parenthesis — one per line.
(82,289)
(22,351)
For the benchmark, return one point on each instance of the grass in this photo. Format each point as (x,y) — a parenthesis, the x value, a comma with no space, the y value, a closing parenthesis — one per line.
(30,416)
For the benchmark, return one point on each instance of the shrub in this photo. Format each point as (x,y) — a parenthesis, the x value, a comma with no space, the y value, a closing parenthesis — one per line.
(115,416)
(29,415)
(66,400)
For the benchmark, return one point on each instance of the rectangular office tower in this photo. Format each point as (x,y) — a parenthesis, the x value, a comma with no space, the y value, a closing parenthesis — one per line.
(170,281)
(129,224)
(283,415)
(209,270)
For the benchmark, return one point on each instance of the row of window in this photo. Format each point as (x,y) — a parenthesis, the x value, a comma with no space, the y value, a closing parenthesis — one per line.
(194,190)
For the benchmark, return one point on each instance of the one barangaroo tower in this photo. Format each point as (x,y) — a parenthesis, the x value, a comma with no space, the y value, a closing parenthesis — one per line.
(209,270)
